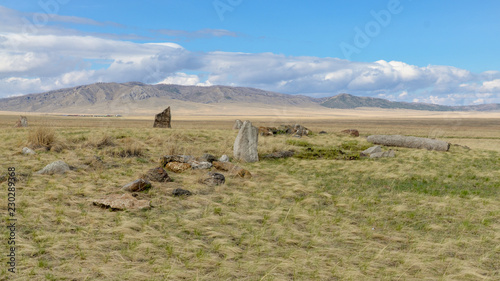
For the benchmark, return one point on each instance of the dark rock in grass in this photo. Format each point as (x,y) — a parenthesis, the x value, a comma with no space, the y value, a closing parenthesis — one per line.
(213,179)
(157,174)
(137,186)
(181,192)
(322,133)
(280,154)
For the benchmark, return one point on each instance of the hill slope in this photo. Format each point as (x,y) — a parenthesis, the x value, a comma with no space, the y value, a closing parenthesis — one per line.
(139,98)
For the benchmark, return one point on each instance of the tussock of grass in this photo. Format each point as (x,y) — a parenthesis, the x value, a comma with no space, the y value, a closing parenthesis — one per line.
(423,215)
(41,137)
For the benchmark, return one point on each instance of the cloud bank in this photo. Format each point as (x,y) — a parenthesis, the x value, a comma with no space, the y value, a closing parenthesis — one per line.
(46,57)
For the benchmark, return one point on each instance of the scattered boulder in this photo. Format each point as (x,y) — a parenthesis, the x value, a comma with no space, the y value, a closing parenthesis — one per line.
(373,149)
(28,151)
(237,124)
(137,186)
(177,167)
(162,120)
(224,158)
(156,174)
(57,167)
(181,192)
(381,154)
(322,133)
(409,142)
(299,130)
(213,179)
(22,122)
(121,202)
(280,154)
(232,169)
(351,132)
(195,165)
(245,145)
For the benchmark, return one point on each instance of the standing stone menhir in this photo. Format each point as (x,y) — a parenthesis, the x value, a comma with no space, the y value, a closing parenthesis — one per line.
(22,122)
(245,145)
(237,124)
(162,120)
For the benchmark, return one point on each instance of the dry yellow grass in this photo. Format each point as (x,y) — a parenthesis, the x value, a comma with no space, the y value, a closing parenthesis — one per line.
(420,216)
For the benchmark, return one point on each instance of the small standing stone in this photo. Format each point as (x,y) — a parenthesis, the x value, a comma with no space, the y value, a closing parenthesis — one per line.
(22,122)
(162,120)
(245,145)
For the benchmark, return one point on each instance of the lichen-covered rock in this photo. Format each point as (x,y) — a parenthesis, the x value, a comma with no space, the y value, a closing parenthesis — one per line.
(245,145)
(178,167)
(57,167)
(137,186)
(175,158)
(121,202)
(196,165)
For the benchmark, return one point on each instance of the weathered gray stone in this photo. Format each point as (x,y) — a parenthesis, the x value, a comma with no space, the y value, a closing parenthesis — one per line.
(381,154)
(195,165)
(410,142)
(237,124)
(22,122)
(57,167)
(213,179)
(373,149)
(137,186)
(224,158)
(121,202)
(163,119)
(28,151)
(245,145)
(181,192)
(175,158)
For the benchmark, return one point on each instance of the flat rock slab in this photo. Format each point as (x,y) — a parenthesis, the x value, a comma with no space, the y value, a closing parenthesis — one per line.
(137,186)
(409,142)
(122,202)
(382,154)
(57,167)
(373,149)
(177,167)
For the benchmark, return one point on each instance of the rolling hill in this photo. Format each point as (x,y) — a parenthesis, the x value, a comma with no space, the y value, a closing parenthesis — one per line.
(139,98)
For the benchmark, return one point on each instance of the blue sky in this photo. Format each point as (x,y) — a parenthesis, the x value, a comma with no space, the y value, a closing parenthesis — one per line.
(442,52)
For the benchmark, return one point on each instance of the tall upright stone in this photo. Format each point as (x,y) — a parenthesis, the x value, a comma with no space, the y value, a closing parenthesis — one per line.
(245,145)
(237,124)
(162,120)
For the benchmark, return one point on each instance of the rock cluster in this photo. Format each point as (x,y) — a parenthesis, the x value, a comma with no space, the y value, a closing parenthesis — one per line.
(295,130)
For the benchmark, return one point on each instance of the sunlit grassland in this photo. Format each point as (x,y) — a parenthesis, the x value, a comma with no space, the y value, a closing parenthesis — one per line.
(423,215)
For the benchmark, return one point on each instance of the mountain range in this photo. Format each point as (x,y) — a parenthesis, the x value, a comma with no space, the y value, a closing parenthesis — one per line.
(139,98)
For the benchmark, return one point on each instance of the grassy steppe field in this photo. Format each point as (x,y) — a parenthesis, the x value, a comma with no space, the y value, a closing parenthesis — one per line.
(423,215)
